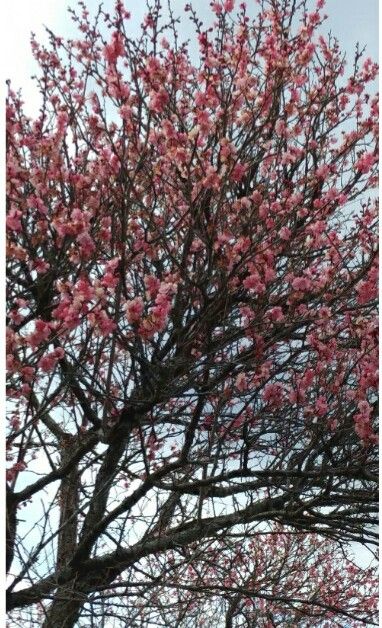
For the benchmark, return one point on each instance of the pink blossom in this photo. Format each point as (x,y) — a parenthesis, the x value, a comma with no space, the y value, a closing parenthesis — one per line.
(105,324)
(28,373)
(40,266)
(322,171)
(159,313)
(285,233)
(367,291)
(272,394)
(229,5)
(115,49)
(276,314)
(241,382)
(242,245)
(84,290)
(301,283)
(149,326)
(48,362)
(12,473)
(158,100)
(269,274)
(217,8)
(321,406)
(134,309)
(62,123)
(109,280)
(86,243)
(238,172)
(11,363)
(308,378)
(212,179)
(152,284)
(13,221)
(256,197)
(280,126)
(366,162)
(41,333)
(363,428)
(253,282)
(200,99)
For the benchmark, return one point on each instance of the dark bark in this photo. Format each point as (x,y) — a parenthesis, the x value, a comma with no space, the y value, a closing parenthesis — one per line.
(69,501)
(11,523)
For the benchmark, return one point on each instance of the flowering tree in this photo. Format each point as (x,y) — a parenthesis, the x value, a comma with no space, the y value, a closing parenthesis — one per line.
(192,325)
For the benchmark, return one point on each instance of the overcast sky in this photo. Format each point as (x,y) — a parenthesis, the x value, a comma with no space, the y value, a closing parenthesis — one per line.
(349,20)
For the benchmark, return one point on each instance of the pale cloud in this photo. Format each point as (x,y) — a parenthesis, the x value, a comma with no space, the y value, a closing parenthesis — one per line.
(20,19)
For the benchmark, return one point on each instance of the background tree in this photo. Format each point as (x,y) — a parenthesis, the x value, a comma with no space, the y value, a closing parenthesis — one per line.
(192,326)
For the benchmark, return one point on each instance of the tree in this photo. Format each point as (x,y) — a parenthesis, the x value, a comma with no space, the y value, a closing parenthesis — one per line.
(192,327)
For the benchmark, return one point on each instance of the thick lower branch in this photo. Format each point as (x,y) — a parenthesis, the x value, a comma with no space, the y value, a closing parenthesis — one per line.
(86,575)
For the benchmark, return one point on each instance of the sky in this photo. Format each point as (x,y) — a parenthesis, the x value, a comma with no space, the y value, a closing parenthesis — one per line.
(351,21)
